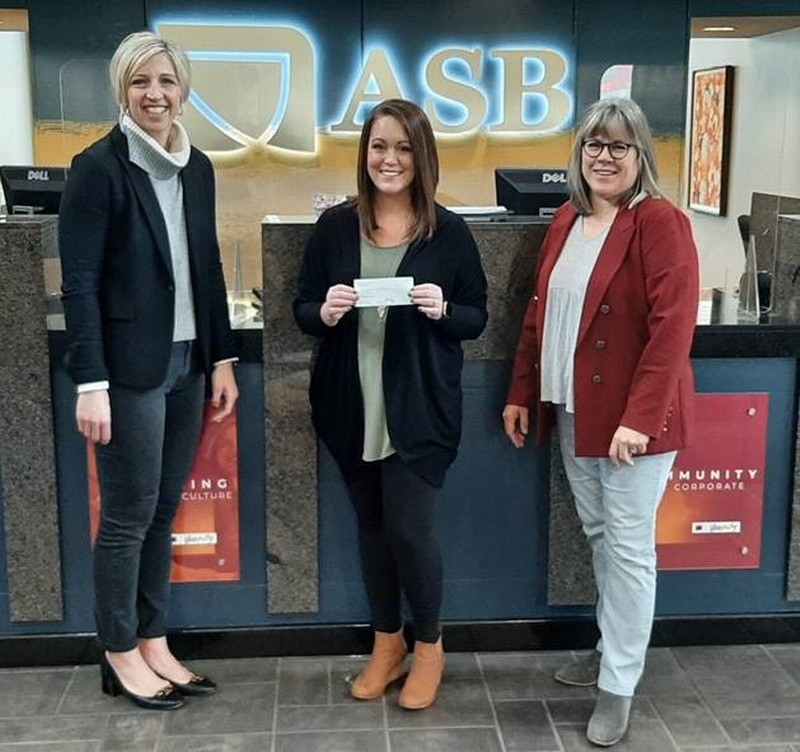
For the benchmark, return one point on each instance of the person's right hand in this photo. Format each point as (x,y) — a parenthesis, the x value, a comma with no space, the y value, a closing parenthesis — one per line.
(338,301)
(93,416)
(515,420)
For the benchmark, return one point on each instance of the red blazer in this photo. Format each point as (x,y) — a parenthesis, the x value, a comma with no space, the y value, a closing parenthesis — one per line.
(632,364)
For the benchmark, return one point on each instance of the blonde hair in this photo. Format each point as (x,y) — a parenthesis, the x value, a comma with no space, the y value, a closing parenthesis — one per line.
(600,119)
(136,50)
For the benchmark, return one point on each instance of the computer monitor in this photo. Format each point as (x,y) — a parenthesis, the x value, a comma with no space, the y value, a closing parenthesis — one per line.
(33,190)
(529,191)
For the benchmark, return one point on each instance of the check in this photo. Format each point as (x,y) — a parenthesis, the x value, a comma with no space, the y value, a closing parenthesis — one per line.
(383,291)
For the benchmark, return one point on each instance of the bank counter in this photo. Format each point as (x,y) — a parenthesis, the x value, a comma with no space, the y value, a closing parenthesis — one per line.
(517,570)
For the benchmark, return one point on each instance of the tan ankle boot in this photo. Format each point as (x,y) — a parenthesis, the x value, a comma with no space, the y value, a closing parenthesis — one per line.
(425,676)
(387,663)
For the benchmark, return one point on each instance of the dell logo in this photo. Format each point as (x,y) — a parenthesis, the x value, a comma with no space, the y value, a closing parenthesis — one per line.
(554,177)
(38,175)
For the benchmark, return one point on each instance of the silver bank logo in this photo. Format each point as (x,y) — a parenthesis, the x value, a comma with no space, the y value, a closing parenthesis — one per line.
(254,89)
(252,86)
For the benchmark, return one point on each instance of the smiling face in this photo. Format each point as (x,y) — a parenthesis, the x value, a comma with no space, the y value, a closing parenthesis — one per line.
(390,157)
(154,97)
(611,180)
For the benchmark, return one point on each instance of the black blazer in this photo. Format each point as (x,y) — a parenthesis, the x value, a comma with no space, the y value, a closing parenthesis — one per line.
(118,287)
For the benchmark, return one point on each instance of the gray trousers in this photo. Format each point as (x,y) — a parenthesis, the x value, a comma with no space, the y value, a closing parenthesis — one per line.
(154,437)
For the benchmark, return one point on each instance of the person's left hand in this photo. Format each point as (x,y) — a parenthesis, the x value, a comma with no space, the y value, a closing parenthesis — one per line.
(515,422)
(626,444)
(224,391)
(429,300)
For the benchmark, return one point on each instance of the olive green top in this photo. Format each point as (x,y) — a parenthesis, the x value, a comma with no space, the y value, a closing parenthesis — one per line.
(375,262)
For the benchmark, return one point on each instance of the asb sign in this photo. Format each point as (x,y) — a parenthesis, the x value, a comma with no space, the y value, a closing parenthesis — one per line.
(255,87)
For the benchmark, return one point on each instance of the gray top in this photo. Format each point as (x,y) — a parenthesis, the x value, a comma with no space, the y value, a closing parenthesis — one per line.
(163,168)
(375,262)
(562,316)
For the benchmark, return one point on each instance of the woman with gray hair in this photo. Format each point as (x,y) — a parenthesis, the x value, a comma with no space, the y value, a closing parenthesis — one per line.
(147,319)
(604,354)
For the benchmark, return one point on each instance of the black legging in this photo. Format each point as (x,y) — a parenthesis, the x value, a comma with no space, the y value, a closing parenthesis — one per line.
(398,545)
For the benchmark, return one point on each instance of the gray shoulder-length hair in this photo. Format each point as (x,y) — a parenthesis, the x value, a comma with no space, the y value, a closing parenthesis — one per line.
(600,119)
(136,50)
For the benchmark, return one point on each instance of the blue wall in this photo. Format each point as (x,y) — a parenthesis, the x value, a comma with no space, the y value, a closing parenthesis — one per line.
(592,34)
(493,520)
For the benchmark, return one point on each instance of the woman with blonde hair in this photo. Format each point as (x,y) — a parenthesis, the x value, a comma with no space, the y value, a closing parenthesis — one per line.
(147,319)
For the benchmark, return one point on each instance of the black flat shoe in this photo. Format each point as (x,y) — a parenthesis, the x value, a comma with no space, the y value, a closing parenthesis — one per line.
(197,685)
(166,699)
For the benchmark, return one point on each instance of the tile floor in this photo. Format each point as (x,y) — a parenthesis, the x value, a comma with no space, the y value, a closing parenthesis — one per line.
(693,699)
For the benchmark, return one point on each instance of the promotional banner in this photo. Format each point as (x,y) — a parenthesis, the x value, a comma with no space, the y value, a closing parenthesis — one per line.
(205,535)
(710,517)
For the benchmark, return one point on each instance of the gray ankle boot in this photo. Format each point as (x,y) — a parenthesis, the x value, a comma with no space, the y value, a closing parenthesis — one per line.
(581,673)
(609,721)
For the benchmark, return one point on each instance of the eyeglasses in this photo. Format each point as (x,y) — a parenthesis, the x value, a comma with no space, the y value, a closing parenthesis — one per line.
(616,149)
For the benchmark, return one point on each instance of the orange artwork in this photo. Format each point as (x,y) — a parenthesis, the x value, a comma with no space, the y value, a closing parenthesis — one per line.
(710,139)
(205,534)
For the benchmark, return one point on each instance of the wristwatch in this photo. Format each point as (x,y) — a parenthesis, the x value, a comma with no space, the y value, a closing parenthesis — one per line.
(446,310)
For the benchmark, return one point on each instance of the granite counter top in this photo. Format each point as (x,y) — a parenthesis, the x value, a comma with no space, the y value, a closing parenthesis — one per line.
(507,269)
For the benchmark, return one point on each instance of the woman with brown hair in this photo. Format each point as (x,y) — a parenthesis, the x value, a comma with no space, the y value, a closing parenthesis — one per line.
(386,385)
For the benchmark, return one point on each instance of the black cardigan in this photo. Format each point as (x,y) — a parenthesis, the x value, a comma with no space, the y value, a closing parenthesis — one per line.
(422,358)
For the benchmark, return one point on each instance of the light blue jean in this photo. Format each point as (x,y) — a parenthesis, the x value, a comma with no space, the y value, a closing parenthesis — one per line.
(617,508)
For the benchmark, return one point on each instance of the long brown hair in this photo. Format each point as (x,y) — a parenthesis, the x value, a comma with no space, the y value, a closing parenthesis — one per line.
(426,168)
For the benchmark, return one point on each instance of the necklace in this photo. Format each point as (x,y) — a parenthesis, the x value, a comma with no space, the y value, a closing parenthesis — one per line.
(385,262)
